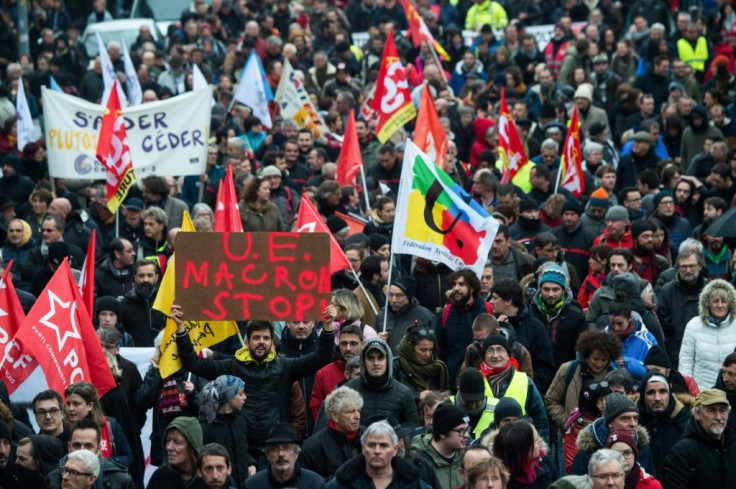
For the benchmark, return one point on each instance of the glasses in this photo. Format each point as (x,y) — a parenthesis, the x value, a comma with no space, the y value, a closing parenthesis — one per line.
(605,477)
(72,472)
(598,385)
(424,333)
(462,431)
(41,413)
(627,453)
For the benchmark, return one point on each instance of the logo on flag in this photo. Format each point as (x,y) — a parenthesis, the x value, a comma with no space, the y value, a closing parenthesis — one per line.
(571,162)
(392,99)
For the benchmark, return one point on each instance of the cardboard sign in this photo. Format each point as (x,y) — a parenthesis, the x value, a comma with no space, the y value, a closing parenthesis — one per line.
(258,276)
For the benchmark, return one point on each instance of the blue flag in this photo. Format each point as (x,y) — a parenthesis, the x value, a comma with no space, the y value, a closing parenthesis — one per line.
(55,86)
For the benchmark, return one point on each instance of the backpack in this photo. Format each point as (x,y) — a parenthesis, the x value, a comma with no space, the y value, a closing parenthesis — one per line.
(571,373)
(446,312)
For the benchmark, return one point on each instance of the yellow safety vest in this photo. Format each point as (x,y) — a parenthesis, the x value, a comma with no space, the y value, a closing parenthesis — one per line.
(697,57)
(517,389)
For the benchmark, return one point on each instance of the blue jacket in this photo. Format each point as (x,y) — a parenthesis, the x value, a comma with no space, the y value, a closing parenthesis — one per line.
(636,347)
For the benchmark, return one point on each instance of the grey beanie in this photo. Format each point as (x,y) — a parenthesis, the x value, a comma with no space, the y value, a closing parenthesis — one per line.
(617,213)
(616,405)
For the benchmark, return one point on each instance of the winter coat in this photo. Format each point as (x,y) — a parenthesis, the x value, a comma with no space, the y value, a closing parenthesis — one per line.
(399,321)
(631,165)
(267,382)
(390,178)
(480,127)
(594,438)
(699,460)
(563,328)
(576,246)
(113,476)
(562,398)
(446,469)
(679,229)
(692,141)
(292,347)
(301,479)
(636,347)
(667,428)
(677,304)
(229,430)
(113,281)
(325,381)
(167,477)
(531,333)
(546,474)
(352,475)
(705,344)
(139,319)
(263,220)
(326,450)
(19,255)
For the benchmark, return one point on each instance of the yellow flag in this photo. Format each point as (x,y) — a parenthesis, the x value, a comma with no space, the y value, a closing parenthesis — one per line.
(202,333)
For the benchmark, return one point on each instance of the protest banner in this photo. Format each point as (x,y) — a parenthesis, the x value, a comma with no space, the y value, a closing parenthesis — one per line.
(294,103)
(166,138)
(259,276)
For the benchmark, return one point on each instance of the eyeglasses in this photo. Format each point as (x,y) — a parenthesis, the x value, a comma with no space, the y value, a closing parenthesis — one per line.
(41,413)
(462,431)
(72,472)
(605,477)
(627,453)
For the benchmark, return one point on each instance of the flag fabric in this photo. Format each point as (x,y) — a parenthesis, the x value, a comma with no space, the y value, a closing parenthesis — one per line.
(53,85)
(294,103)
(392,100)
(356,225)
(428,133)
(200,82)
(511,152)
(418,30)
(570,174)
(109,77)
(17,365)
(114,153)
(135,92)
(24,125)
(350,159)
(59,333)
(227,214)
(251,90)
(310,221)
(436,219)
(87,277)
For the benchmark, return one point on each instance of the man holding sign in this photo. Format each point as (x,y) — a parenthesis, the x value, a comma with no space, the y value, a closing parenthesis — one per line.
(268,377)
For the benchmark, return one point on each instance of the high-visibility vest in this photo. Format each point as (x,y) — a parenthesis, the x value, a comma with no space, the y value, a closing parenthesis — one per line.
(697,57)
(517,389)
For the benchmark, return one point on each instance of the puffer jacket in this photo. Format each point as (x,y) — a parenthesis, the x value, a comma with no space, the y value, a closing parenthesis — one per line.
(446,469)
(267,383)
(705,343)
(561,399)
(636,347)
(594,438)
(389,397)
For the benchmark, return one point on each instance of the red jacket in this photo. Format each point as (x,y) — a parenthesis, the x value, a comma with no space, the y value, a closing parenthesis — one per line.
(626,241)
(325,381)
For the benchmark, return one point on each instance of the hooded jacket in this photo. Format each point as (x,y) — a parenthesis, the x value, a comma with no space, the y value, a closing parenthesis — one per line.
(593,438)
(385,395)
(706,343)
(48,452)
(480,127)
(563,326)
(694,138)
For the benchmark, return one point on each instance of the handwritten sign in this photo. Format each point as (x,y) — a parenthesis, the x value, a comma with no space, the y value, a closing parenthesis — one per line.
(259,276)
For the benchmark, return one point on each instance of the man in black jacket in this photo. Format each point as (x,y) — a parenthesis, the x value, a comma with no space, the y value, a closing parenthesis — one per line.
(575,240)
(137,317)
(114,276)
(299,339)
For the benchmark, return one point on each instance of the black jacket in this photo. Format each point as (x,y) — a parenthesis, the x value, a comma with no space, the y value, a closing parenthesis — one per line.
(291,347)
(229,431)
(112,281)
(167,477)
(352,475)
(325,451)
(576,246)
(631,165)
(36,261)
(113,476)
(563,328)
(139,319)
(531,333)
(302,479)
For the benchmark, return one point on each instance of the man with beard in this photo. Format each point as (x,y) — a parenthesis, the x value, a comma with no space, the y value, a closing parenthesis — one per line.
(588,113)
(403,311)
(214,466)
(268,377)
(12,475)
(647,264)
(574,239)
(706,454)
(443,449)
(526,228)
(507,261)
(617,233)
(138,319)
(716,253)
(663,415)
(328,377)
(678,227)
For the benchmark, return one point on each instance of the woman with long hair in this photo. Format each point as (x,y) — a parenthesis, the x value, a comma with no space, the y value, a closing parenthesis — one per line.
(662,243)
(597,273)
(519,447)
(349,310)
(257,212)
(419,366)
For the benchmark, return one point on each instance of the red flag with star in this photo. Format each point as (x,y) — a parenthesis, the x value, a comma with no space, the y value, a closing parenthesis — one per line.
(227,214)
(59,333)
(87,277)
(570,174)
(392,99)
(309,221)
(17,365)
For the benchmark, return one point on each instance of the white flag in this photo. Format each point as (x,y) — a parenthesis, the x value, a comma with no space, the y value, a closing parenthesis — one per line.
(251,91)
(25,128)
(131,77)
(200,82)
(295,104)
(108,74)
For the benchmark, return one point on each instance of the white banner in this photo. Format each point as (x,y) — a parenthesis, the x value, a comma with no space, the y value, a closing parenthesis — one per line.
(166,138)
(295,104)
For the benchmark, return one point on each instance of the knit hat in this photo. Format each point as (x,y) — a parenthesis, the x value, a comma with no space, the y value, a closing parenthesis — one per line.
(407,284)
(711,396)
(5,432)
(189,427)
(585,90)
(446,417)
(506,407)
(641,226)
(107,303)
(216,393)
(547,111)
(471,385)
(596,128)
(270,171)
(677,86)
(623,437)
(572,205)
(661,195)
(617,213)
(616,405)
(599,198)
(527,204)
(377,241)
(336,224)
(496,339)
(358,238)
(12,160)
(555,274)
(657,356)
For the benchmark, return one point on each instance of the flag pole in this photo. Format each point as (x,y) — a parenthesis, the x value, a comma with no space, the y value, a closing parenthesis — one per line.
(559,175)
(439,65)
(365,190)
(365,292)
(117,223)
(390,269)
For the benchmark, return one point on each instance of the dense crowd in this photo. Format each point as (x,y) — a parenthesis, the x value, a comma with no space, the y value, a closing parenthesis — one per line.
(596,349)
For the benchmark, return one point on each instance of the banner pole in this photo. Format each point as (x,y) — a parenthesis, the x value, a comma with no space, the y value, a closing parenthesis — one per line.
(362,287)
(200,194)
(390,269)
(365,192)
(559,175)
(117,223)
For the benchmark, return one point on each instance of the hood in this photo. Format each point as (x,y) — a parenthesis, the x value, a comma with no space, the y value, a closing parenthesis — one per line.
(678,401)
(48,451)
(480,126)
(190,428)
(702,112)
(708,291)
(382,346)
(594,436)
(631,285)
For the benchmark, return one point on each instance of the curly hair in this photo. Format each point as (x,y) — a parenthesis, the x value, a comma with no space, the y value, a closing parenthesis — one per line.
(605,343)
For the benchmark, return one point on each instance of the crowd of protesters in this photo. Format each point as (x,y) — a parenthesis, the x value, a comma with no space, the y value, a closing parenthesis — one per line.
(596,349)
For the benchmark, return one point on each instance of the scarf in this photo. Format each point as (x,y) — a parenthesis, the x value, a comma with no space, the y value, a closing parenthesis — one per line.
(350,436)
(418,375)
(107,450)
(632,478)
(667,220)
(218,392)
(497,377)
(550,311)
(628,331)
(647,268)
(717,322)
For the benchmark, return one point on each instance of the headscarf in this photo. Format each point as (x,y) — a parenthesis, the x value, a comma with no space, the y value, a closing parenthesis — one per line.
(218,392)
(27,233)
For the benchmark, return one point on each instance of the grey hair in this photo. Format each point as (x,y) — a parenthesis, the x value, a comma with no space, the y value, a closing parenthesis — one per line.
(197,208)
(591,146)
(57,221)
(380,428)
(602,457)
(289,123)
(236,141)
(688,243)
(341,398)
(352,364)
(90,460)
(158,214)
(687,253)
(487,177)
(113,44)
(550,143)
(109,335)
(274,40)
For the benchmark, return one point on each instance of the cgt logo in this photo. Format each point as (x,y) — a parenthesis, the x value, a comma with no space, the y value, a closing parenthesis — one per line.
(84,164)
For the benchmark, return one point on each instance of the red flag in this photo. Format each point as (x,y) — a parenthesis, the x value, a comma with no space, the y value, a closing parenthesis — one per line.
(392,99)
(356,225)
(59,333)
(114,153)
(17,365)
(570,174)
(87,278)
(227,215)
(428,134)
(350,159)
(309,221)
(510,149)
(418,30)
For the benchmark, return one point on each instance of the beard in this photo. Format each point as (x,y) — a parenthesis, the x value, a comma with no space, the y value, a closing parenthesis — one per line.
(144,289)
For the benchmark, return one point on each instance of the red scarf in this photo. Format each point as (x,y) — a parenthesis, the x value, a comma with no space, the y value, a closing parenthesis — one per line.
(486,370)
(496,377)
(106,448)
(350,436)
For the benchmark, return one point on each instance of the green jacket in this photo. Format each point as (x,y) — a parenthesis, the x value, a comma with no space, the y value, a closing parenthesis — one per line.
(447,472)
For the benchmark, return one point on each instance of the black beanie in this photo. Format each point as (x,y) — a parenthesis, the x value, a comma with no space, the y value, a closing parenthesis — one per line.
(407,284)
(446,417)
(336,224)
(657,356)
(641,226)
(7,434)
(507,406)
(572,205)
(616,405)
(527,204)
(496,339)
(377,241)
(107,303)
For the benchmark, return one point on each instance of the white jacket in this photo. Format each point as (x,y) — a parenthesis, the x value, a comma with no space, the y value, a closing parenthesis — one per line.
(705,345)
